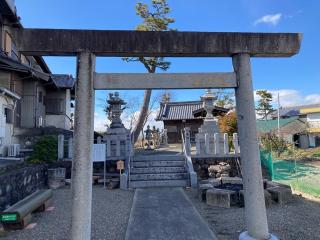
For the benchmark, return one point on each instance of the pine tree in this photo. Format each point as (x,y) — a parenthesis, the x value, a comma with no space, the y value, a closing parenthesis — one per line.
(154,19)
(264,104)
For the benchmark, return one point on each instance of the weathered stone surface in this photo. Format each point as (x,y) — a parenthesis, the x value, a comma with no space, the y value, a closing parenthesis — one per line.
(153,43)
(281,195)
(267,198)
(270,184)
(56,177)
(164,80)
(213,181)
(17,184)
(232,180)
(202,191)
(221,198)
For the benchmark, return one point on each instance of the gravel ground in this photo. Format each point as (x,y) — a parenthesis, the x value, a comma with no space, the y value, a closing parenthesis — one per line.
(294,221)
(111,211)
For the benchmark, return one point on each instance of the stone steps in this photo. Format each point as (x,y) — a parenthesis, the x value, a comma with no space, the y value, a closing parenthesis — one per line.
(158,158)
(158,171)
(146,170)
(159,183)
(158,163)
(159,176)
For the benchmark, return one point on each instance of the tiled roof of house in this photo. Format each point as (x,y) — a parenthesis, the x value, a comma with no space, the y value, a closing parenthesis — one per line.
(63,80)
(294,110)
(182,110)
(291,125)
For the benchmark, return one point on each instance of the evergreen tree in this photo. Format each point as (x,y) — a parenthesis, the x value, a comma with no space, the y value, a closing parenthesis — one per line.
(264,104)
(154,19)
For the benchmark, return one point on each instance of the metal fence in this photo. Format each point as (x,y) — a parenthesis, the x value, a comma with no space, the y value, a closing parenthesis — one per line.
(302,176)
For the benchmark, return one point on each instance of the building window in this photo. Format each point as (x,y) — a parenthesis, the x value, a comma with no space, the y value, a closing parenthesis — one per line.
(10,47)
(40,97)
(9,115)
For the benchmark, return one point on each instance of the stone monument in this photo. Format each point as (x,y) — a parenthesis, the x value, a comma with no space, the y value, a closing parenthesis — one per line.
(208,140)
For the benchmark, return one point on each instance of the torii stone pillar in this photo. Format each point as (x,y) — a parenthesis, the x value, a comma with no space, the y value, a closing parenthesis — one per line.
(255,210)
(83,141)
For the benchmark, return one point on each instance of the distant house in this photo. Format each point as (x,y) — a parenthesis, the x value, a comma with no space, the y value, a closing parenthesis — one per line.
(310,115)
(178,115)
(58,101)
(292,129)
(33,101)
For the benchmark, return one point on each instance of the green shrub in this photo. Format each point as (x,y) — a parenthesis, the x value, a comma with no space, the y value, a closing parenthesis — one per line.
(273,143)
(44,150)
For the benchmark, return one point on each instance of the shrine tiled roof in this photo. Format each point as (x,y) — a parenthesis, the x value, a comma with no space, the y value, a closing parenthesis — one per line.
(183,110)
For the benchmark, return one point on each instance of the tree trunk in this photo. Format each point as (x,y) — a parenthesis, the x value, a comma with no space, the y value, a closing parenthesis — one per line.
(142,116)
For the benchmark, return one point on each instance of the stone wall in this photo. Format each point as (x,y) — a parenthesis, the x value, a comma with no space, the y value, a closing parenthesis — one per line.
(201,165)
(19,182)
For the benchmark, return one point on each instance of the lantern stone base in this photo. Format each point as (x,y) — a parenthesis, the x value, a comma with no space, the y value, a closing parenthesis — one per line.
(246,236)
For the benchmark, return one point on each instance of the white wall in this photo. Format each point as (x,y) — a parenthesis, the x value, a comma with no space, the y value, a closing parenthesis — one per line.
(313,120)
(6,130)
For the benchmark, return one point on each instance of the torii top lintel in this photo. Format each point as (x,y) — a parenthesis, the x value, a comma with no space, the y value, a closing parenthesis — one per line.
(64,42)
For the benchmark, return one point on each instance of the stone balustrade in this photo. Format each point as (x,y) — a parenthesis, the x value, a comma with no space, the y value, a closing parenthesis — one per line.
(212,144)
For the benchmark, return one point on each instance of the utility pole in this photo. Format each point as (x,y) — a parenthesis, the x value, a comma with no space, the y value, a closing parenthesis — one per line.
(279,115)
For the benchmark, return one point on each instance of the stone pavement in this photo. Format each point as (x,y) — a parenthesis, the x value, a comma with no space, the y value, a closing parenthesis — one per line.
(165,214)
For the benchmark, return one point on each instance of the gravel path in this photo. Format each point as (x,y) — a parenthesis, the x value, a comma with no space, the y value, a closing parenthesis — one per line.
(111,211)
(299,220)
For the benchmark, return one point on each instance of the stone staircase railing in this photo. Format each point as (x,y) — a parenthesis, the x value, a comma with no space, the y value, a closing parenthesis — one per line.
(186,151)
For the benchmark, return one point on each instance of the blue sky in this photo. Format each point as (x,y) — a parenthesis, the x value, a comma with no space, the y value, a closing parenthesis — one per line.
(297,78)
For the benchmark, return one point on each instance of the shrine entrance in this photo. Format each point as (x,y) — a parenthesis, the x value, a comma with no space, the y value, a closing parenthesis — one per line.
(86,44)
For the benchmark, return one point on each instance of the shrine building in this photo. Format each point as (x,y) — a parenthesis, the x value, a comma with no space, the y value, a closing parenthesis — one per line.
(178,115)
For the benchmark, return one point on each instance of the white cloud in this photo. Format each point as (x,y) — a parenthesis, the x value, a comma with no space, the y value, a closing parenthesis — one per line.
(100,122)
(272,19)
(291,97)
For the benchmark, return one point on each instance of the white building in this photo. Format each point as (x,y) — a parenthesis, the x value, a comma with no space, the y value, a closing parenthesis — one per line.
(310,114)
(8,100)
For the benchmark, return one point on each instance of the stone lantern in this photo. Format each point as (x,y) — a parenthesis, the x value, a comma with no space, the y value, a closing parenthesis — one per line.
(115,110)
(208,100)
(117,138)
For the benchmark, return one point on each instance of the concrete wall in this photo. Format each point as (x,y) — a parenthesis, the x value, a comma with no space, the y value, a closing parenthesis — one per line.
(19,182)
(31,108)
(62,119)
(56,97)
(28,104)
(59,121)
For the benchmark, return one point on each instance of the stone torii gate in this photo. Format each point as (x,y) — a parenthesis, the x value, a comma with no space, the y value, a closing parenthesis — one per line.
(86,44)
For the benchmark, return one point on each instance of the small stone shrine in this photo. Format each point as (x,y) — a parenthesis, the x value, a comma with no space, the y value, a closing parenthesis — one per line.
(148,132)
(117,137)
